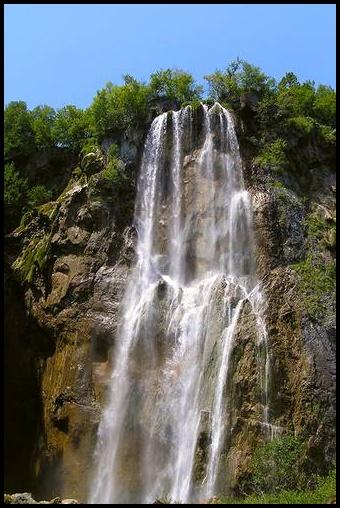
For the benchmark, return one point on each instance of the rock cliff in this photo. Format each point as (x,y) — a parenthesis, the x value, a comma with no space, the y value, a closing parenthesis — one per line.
(66,270)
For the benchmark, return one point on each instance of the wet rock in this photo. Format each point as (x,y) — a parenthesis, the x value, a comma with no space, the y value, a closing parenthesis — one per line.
(75,300)
(26,498)
(80,290)
(22,498)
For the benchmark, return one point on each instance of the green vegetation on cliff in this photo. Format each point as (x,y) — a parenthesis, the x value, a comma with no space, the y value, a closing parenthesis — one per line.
(277,465)
(317,271)
(286,124)
(323,493)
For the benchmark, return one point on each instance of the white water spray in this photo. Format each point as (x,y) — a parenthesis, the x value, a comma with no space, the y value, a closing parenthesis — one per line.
(194,271)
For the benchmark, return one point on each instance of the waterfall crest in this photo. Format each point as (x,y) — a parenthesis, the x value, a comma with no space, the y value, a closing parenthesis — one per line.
(194,272)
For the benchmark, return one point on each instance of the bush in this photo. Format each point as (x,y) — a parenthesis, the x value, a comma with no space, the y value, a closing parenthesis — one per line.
(295,99)
(317,282)
(33,258)
(273,155)
(38,195)
(90,145)
(111,173)
(302,126)
(324,491)
(15,187)
(327,134)
(276,465)
(113,152)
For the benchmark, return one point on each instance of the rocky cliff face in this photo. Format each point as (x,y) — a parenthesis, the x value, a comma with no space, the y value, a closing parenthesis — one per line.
(295,233)
(66,271)
(63,297)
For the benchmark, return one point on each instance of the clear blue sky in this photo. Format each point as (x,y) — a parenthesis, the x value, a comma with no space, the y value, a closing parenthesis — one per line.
(62,54)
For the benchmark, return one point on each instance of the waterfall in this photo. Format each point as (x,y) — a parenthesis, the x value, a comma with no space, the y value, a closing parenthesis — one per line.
(194,272)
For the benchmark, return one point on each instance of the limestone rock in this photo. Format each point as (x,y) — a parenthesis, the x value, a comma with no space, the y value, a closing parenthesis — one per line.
(92,162)
(23,498)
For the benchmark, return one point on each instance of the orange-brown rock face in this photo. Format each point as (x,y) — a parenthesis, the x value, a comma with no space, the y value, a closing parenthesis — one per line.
(73,259)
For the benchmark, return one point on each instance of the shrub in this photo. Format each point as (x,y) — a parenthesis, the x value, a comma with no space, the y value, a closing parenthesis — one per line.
(273,155)
(89,145)
(295,99)
(113,152)
(276,466)
(111,172)
(15,187)
(317,281)
(194,104)
(38,195)
(322,494)
(15,192)
(33,258)
(301,125)
(327,134)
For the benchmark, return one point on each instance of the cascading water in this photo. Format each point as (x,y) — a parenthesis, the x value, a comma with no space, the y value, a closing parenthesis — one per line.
(195,270)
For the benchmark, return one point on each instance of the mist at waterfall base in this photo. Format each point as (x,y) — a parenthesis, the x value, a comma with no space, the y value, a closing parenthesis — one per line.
(195,269)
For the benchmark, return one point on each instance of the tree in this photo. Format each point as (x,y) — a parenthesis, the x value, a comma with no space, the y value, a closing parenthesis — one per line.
(15,189)
(174,85)
(324,106)
(117,108)
(18,130)
(239,77)
(288,80)
(295,99)
(71,128)
(43,118)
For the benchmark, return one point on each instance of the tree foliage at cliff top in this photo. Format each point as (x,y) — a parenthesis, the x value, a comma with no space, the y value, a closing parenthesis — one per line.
(281,111)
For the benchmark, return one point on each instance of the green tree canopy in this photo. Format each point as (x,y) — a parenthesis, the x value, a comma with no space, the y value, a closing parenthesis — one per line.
(43,118)
(239,77)
(116,108)
(295,99)
(19,134)
(174,84)
(15,189)
(71,127)
(324,106)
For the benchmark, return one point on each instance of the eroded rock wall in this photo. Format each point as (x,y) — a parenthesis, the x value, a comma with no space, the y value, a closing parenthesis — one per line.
(73,258)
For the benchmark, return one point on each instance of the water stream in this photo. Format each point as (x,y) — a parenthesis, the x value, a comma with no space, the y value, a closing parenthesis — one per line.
(195,270)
